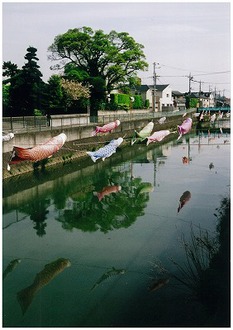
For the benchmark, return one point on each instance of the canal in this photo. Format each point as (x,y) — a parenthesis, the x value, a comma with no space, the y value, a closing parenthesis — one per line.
(132,241)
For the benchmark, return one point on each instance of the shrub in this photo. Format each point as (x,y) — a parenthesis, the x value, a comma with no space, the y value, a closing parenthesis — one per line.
(138,103)
(147,103)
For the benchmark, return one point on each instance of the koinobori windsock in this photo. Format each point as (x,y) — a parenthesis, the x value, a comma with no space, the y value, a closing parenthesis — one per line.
(105,151)
(143,134)
(38,152)
(157,136)
(185,127)
(106,128)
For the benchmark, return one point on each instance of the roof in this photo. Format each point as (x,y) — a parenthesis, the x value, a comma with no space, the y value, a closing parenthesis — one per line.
(159,88)
(177,93)
(145,88)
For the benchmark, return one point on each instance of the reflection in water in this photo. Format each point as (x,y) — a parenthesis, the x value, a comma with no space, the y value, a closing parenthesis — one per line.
(66,201)
(211,165)
(206,272)
(112,272)
(116,211)
(184,199)
(37,208)
(107,191)
(43,278)
(12,265)
(157,284)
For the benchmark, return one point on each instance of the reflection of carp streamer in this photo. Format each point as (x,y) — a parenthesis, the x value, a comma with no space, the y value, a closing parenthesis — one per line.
(112,272)
(39,152)
(43,278)
(158,284)
(184,199)
(12,265)
(106,191)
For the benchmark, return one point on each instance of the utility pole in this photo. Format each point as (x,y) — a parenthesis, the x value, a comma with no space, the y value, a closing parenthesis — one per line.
(154,88)
(190,79)
(199,94)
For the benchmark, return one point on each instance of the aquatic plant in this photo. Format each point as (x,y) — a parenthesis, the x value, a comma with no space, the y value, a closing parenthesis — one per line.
(199,251)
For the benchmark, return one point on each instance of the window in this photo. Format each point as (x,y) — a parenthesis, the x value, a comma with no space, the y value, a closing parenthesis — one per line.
(167,95)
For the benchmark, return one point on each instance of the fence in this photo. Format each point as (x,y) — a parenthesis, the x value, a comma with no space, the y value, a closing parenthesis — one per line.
(40,123)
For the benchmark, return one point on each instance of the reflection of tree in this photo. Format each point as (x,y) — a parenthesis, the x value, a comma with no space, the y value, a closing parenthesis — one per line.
(36,207)
(113,212)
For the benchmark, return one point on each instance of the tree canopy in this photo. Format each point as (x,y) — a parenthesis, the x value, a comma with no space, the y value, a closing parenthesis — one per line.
(100,60)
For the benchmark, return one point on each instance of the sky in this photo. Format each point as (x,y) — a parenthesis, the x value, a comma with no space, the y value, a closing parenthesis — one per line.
(182,38)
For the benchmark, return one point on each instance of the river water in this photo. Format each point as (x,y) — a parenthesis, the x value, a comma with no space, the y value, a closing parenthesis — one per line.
(105,244)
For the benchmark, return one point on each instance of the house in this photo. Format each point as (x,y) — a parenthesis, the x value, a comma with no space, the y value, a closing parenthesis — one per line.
(205,99)
(163,93)
(178,100)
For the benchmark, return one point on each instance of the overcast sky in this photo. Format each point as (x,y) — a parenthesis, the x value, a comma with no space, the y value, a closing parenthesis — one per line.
(183,37)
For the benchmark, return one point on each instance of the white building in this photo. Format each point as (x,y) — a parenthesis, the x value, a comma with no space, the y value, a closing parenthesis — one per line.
(164,99)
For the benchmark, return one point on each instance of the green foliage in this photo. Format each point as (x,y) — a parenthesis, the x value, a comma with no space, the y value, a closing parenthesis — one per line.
(5,96)
(113,58)
(123,99)
(138,102)
(38,112)
(26,86)
(191,102)
(147,103)
(120,101)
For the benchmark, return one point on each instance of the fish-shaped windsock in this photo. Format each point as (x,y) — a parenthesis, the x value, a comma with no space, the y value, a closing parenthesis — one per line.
(43,278)
(105,151)
(143,134)
(7,137)
(106,128)
(38,152)
(212,118)
(185,127)
(107,191)
(184,199)
(146,131)
(157,136)
(12,265)
(162,120)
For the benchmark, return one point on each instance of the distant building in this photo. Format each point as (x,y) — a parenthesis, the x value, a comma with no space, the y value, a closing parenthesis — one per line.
(205,99)
(164,99)
(178,100)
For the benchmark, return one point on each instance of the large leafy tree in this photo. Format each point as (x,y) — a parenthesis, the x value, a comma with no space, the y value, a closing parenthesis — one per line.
(100,60)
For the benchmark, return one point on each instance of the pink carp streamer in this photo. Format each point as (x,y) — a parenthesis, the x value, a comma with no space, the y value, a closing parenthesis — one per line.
(39,152)
(185,127)
(157,136)
(106,128)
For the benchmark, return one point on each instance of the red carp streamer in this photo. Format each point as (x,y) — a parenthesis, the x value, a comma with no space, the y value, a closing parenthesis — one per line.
(106,128)
(39,152)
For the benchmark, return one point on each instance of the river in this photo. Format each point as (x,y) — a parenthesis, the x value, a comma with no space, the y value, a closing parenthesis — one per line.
(108,244)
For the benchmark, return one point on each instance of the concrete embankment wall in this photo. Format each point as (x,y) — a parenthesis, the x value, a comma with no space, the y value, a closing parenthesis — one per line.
(79,140)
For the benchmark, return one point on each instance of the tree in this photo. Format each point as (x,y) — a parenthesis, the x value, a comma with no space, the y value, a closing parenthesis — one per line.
(98,59)
(26,86)
(73,91)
